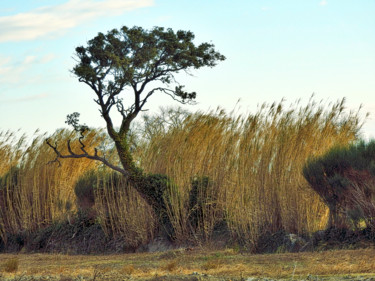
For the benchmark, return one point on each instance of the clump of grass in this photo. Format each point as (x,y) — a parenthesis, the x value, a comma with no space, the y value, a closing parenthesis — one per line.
(65,278)
(99,272)
(170,266)
(211,264)
(127,269)
(11,265)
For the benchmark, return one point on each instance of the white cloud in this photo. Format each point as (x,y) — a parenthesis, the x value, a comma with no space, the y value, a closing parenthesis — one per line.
(4,66)
(163,19)
(54,19)
(25,98)
(47,58)
(29,59)
(323,3)
(11,72)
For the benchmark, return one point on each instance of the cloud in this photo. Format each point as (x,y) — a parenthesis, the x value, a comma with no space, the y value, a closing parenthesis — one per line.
(323,3)
(11,72)
(29,60)
(55,19)
(163,19)
(47,58)
(25,99)
(4,65)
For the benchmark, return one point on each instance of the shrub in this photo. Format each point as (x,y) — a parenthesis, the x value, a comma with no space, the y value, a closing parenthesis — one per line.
(211,264)
(84,189)
(344,178)
(155,185)
(121,211)
(204,211)
(94,181)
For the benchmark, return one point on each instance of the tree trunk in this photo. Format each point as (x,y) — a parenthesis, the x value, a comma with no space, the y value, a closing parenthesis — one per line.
(151,187)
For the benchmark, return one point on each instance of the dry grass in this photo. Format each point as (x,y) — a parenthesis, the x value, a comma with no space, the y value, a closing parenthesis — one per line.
(122,212)
(226,264)
(127,269)
(170,266)
(254,164)
(35,194)
(11,265)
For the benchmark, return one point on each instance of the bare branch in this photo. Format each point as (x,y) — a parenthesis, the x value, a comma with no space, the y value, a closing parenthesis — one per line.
(82,155)
(58,154)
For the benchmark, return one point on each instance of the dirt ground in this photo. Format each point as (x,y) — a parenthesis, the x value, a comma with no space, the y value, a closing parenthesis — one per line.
(192,264)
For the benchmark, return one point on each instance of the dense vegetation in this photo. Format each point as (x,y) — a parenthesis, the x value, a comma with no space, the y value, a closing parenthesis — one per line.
(221,173)
(344,178)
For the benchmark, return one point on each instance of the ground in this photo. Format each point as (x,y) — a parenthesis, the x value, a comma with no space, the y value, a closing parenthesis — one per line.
(192,264)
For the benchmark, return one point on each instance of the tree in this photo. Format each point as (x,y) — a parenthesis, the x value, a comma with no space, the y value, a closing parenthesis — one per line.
(119,67)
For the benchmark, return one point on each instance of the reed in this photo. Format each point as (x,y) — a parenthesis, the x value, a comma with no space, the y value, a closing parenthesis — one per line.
(121,212)
(35,193)
(255,163)
(244,172)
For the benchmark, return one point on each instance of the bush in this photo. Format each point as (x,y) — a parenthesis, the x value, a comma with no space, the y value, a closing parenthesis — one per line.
(204,212)
(344,178)
(95,181)
(154,187)
(110,200)
(8,185)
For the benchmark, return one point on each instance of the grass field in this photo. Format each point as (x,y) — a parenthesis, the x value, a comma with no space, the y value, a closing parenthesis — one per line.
(190,265)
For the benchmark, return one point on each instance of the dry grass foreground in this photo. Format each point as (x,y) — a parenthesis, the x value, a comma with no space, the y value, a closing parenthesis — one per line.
(191,265)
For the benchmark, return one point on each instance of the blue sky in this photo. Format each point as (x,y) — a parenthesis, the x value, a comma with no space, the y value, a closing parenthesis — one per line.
(275,49)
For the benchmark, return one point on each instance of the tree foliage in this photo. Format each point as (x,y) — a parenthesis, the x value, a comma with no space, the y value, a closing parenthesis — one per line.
(120,68)
(131,58)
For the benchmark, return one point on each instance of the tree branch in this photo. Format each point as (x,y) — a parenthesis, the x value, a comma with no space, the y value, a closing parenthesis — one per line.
(82,155)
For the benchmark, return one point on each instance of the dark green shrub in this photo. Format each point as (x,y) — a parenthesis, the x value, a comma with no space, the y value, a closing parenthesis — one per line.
(199,194)
(8,190)
(8,184)
(204,213)
(84,189)
(10,179)
(153,188)
(95,181)
(155,185)
(344,179)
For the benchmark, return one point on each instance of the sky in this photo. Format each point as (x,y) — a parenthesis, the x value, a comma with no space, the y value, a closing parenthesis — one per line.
(275,49)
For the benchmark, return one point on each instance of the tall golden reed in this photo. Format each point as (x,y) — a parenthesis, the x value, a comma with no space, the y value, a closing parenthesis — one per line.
(35,193)
(122,213)
(254,164)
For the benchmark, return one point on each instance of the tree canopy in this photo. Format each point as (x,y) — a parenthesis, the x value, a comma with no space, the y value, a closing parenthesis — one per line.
(120,66)
(132,58)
